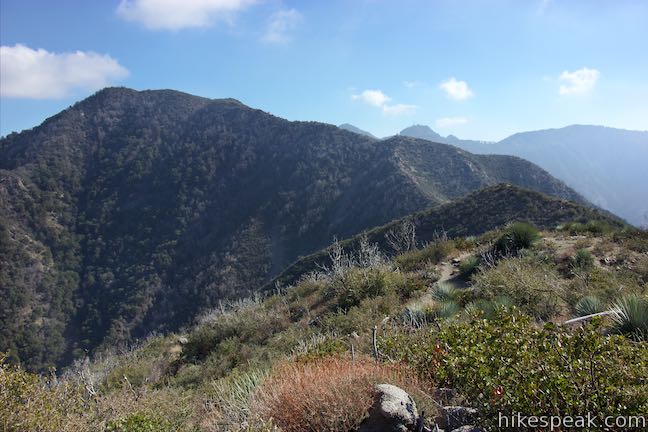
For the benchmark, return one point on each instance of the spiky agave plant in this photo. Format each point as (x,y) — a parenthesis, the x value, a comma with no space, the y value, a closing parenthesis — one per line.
(630,317)
(589,305)
(444,292)
(446,309)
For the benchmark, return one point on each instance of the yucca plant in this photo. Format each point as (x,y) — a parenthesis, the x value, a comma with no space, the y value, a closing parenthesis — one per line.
(630,317)
(446,309)
(589,305)
(444,292)
(582,261)
(468,267)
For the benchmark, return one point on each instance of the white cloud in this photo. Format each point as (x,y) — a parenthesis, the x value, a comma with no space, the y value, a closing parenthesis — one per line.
(398,109)
(379,99)
(445,122)
(580,81)
(455,89)
(412,84)
(372,97)
(280,24)
(39,74)
(178,14)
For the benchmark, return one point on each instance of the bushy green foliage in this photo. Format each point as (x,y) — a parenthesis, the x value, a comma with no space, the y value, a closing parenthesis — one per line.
(29,402)
(509,365)
(487,308)
(358,284)
(595,227)
(251,324)
(432,253)
(582,261)
(322,347)
(139,422)
(533,286)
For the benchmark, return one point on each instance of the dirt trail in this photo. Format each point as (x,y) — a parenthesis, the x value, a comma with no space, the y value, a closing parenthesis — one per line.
(448,270)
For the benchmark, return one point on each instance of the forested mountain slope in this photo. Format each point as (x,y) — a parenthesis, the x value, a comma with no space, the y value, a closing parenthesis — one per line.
(132,211)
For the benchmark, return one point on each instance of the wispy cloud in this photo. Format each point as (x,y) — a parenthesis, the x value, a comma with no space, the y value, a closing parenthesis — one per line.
(580,81)
(379,99)
(39,74)
(280,24)
(372,97)
(445,122)
(455,89)
(179,14)
(398,109)
(412,84)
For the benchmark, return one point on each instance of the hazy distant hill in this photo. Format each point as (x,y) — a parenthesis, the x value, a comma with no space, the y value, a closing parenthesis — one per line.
(351,128)
(606,165)
(132,211)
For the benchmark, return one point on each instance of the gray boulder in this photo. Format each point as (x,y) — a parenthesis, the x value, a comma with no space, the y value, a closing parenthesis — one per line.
(393,411)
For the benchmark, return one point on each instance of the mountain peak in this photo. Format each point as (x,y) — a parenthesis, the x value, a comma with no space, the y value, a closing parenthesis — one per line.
(423,132)
(354,129)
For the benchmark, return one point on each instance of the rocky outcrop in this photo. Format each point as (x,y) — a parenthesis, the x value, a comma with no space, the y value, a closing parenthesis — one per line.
(393,411)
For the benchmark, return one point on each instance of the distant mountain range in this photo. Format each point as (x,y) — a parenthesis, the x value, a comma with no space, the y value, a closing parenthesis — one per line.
(131,212)
(606,165)
(351,128)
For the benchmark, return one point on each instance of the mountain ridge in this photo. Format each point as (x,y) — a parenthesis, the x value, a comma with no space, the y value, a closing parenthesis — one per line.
(474,214)
(130,211)
(604,164)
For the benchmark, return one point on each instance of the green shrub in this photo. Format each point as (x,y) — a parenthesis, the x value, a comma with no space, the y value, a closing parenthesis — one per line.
(534,287)
(417,259)
(592,227)
(582,262)
(322,347)
(358,284)
(139,422)
(487,308)
(509,365)
(29,403)
(465,243)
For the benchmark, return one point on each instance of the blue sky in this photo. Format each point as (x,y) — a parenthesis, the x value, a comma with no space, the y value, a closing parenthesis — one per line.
(476,69)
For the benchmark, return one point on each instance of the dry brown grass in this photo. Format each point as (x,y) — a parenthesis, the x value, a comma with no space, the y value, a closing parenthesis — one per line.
(331,394)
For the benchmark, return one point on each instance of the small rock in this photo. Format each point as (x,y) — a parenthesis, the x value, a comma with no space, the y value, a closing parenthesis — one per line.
(444,395)
(456,416)
(393,411)
(183,340)
(468,428)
